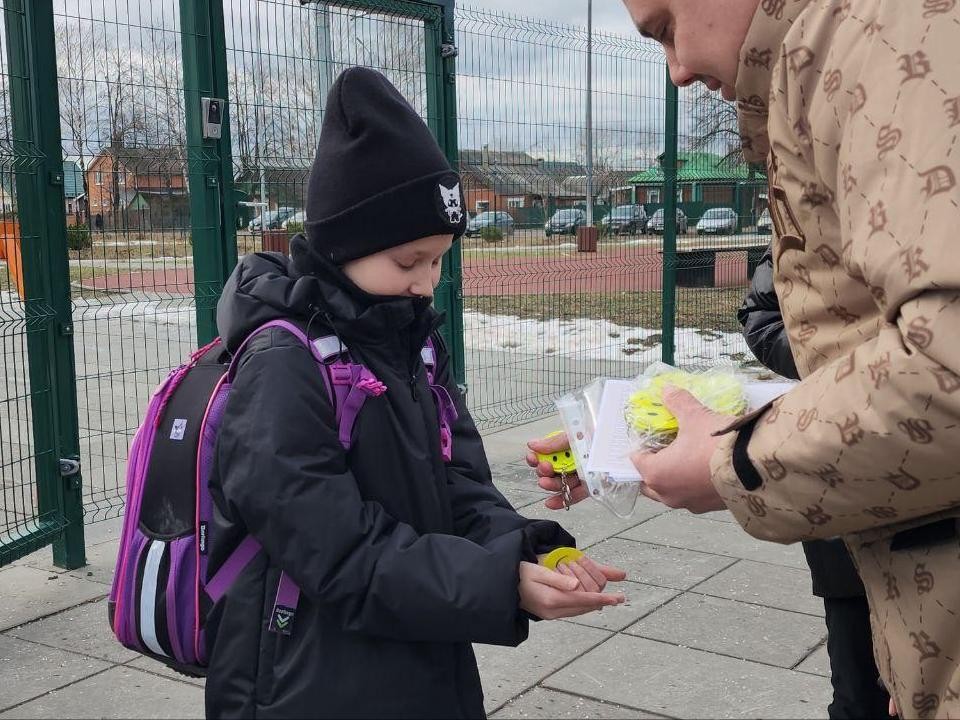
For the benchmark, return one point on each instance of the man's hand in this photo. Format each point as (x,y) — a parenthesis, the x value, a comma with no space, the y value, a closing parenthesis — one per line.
(592,576)
(547,479)
(550,595)
(679,475)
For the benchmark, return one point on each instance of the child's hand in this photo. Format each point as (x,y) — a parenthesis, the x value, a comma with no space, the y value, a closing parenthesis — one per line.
(550,595)
(592,576)
(548,480)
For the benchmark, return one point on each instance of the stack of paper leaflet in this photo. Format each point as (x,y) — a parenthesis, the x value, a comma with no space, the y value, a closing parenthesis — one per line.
(601,441)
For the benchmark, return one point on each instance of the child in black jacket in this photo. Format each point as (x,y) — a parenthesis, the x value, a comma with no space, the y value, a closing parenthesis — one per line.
(404,553)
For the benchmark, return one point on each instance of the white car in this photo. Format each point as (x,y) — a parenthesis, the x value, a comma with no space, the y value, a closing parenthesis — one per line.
(300,217)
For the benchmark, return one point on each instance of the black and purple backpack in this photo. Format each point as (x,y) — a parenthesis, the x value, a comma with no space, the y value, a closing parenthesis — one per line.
(161,593)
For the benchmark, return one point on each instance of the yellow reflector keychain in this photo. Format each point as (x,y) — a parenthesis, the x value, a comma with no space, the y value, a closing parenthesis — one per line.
(650,420)
(560,556)
(563,464)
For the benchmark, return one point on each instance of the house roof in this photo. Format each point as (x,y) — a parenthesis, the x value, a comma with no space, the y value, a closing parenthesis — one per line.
(696,167)
(513,172)
(161,160)
(576,185)
(496,157)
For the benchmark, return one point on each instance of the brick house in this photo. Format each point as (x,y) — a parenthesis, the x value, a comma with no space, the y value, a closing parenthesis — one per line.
(138,188)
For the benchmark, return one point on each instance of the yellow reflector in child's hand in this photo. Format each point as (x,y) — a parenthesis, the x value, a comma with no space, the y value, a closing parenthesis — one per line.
(563,462)
(560,556)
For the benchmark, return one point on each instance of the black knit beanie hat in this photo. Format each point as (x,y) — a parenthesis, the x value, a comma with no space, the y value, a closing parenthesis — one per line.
(379,179)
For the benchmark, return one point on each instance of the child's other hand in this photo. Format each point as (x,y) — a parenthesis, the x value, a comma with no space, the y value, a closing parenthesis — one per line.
(592,576)
(550,595)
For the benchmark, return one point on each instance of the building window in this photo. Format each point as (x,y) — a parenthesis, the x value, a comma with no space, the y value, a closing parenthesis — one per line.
(483,206)
(653,196)
(99,177)
(515,202)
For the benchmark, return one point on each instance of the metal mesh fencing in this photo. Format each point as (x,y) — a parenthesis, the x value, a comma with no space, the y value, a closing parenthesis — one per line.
(120,81)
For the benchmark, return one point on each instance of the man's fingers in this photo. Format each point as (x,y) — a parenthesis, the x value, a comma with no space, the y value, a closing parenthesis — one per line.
(681,403)
(532,460)
(552,444)
(652,494)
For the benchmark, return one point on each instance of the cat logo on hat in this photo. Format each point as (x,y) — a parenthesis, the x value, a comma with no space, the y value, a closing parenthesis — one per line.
(450,199)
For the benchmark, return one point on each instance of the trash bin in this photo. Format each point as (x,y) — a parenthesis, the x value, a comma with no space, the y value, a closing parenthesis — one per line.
(587,239)
(10,251)
(276,241)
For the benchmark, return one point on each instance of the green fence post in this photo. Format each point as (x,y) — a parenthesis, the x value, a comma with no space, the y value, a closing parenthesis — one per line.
(210,168)
(442,115)
(669,293)
(38,167)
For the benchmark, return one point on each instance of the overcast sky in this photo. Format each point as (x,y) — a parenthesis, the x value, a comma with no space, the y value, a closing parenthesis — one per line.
(608,15)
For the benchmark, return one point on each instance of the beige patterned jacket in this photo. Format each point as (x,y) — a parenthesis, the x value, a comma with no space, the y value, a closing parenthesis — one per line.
(855,107)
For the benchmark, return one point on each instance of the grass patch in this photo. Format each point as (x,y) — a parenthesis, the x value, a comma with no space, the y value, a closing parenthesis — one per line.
(707,309)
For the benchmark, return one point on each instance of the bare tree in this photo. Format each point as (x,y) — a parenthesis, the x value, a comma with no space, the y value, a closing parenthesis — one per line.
(76,65)
(714,126)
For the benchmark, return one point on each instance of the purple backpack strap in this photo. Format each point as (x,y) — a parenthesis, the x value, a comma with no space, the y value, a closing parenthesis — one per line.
(241,556)
(446,409)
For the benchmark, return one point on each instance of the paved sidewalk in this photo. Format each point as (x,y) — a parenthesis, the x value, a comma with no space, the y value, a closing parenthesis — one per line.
(716,625)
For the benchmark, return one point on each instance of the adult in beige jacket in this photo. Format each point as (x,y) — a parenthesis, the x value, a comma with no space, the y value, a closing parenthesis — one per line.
(854,105)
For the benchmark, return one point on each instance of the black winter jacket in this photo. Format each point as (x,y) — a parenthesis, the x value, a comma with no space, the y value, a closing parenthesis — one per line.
(832,570)
(403,560)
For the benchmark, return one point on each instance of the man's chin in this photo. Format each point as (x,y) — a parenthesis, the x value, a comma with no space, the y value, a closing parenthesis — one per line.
(729,93)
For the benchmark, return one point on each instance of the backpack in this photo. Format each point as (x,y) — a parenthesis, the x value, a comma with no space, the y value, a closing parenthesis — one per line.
(161,595)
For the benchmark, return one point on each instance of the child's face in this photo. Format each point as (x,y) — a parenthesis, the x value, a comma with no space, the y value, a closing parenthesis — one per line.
(411,269)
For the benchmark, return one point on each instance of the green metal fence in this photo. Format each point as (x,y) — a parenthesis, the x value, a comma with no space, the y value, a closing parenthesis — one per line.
(126,220)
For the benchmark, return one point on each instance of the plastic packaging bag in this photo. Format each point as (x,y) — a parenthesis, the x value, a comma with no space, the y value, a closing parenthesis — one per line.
(609,418)
(579,412)
(651,426)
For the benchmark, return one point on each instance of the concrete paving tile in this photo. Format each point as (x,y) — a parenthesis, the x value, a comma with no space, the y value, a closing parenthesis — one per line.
(641,601)
(682,682)
(818,663)
(29,670)
(750,632)
(82,629)
(521,498)
(683,530)
(120,692)
(29,593)
(590,523)
(658,565)
(156,667)
(101,560)
(507,672)
(765,584)
(543,704)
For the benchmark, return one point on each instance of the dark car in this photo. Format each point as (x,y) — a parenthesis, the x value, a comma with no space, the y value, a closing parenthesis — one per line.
(625,220)
(565,222)
(656,222)
(490,219)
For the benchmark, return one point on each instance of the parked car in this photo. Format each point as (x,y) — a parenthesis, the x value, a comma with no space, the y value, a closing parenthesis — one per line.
(625,220)
(297,217)
(656,222)
(498,219)
(271,219)
(718,221)
(765,224)
(565,222)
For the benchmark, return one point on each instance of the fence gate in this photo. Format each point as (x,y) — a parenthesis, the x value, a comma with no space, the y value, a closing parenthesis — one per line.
(121,218)
(39,448)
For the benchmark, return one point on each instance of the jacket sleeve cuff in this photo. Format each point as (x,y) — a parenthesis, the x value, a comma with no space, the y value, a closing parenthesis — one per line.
(542,536)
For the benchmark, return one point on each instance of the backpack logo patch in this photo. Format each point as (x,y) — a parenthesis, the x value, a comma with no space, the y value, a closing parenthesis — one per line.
(179,429)
(282,620)
(452,206)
